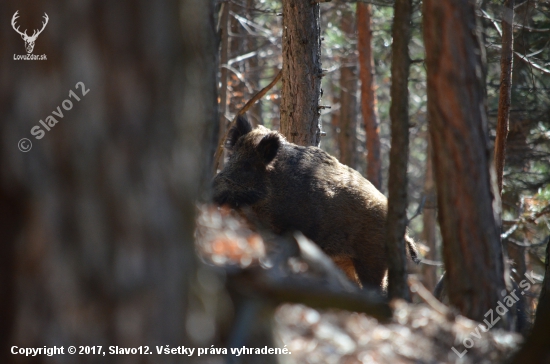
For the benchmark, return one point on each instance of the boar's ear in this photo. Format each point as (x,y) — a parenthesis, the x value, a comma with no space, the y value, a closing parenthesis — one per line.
(241,127)
(268,147)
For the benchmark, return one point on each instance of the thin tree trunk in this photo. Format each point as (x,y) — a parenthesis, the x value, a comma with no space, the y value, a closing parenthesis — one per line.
(301,72)
(399,153)
(429,217)
(536,349)
(335,118)
(236,87)
(348,102)
(516,255)
(458,126)
(254,72)
(506,60)
(224,58)
(368,97)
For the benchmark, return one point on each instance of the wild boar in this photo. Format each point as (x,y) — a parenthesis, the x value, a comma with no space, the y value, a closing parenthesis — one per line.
(293,188)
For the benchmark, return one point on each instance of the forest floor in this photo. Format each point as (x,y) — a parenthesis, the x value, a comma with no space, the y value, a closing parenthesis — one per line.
(417,333)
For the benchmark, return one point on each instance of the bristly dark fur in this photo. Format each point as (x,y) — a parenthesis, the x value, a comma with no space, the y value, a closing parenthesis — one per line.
(293,188)
(269,146)
(241,127)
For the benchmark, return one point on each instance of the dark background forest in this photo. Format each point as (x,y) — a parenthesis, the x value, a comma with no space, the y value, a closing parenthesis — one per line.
(108,237)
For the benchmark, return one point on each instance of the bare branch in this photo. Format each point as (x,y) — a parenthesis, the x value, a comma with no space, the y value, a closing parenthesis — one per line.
(425,294)
(418,210)
(524,58)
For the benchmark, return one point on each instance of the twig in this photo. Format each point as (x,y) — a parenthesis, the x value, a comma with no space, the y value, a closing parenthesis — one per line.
(521,56)
(238,74)
(544,211)
(418,210)
(509,232)
(528,245)
(427,297)
(435,263)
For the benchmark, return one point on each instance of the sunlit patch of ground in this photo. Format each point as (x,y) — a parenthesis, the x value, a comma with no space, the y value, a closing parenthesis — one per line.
(417,334)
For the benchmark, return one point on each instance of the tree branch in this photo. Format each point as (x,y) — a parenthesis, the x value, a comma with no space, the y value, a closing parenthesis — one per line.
(524,58)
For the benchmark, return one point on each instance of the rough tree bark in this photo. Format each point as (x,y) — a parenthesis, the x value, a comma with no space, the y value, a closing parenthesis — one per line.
(348,102)
(399,153)
(301,72)
(368,97)
(458,126)
(505,95)
(98,217)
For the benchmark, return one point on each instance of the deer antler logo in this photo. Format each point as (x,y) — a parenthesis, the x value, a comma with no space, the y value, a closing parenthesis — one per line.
(29,41)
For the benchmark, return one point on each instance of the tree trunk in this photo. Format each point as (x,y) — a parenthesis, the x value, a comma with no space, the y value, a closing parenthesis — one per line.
(98,217)
(368,97)
(236,86)
(458,127)
(536,349)
(254,71)
(399,153)
(348,102)
(301,72)
(223,94)
(224,58)
(506,59)
(276,121)
(335,118)
(429,217)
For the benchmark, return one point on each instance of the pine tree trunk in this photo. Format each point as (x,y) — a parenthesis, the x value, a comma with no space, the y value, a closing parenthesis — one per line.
(301,72)
(399,153)
(348,102)
(237,45)
(98,217)
(505,95)
(254,71)
(536,349)
(224,74)
(335,119)
(368,97)
(458,127)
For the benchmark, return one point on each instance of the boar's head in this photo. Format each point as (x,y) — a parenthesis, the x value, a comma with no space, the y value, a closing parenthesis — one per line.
(243,181)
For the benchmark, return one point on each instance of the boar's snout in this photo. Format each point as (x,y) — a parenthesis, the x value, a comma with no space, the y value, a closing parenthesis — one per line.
(221,190)
(228,192)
